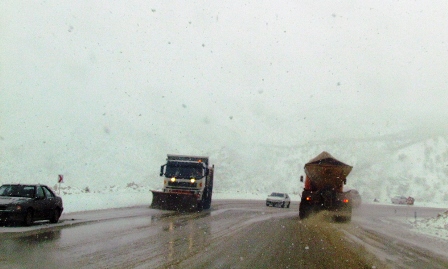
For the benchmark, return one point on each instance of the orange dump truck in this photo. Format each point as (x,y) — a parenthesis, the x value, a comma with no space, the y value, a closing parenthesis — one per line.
(323,188)
(187,184)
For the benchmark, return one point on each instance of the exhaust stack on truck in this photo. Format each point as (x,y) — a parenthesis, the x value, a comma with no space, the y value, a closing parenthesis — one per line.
(323,188)
(187,184)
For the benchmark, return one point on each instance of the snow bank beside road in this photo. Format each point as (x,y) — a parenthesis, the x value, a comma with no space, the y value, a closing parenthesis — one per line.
(79,200)
(436,226)
(76,200)
(97,201)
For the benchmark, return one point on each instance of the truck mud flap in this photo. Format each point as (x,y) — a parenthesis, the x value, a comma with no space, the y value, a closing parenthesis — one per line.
(174,201)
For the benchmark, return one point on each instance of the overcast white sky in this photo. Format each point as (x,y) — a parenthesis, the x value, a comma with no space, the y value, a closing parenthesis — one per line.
(73,74)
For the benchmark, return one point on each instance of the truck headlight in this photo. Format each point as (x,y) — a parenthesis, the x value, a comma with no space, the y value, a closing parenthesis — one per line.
(173,179)
(192,180)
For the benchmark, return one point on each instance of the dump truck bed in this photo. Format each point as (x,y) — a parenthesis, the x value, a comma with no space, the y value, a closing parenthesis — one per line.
(326,171)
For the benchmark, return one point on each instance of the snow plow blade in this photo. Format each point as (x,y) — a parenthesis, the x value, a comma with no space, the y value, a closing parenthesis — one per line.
(174,201)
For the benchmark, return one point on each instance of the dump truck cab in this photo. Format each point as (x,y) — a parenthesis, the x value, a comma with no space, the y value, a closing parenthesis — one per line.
(186,174)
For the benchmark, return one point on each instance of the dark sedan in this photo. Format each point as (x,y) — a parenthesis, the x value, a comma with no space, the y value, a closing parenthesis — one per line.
(26,203)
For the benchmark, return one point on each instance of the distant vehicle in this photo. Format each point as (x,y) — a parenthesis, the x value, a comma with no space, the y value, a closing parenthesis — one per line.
(28,203)
(402,200)
(278,199)
(410,200)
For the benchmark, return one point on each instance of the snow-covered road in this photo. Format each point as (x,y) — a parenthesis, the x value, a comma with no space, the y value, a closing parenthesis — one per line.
(388,234)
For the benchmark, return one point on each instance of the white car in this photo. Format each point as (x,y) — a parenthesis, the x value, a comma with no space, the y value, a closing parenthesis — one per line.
(402,200)
(398,200)
(278,199)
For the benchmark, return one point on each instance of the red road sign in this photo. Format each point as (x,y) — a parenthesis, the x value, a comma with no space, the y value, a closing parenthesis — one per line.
(60,179)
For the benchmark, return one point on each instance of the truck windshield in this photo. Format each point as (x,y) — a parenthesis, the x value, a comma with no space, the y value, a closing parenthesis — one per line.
(184,170)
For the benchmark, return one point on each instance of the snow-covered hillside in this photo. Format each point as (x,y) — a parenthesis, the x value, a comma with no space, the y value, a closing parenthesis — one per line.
(382,167)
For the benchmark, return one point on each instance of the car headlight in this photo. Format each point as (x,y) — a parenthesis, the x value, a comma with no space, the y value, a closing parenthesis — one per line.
(15,207)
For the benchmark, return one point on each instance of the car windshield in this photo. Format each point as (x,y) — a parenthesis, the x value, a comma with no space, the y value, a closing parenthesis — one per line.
(17,191)
(276,194)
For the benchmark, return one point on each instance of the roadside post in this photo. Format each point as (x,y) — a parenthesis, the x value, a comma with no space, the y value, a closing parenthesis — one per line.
(60,180)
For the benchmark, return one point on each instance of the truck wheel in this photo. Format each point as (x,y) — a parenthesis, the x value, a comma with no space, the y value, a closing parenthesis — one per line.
(288,205)
(305,210)
(283,205)
(208,202)
(302,214)
(206,199)
(342,218)
(347,218)
(200,206)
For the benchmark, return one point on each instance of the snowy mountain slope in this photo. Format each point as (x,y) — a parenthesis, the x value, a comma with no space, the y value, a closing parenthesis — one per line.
(384,166)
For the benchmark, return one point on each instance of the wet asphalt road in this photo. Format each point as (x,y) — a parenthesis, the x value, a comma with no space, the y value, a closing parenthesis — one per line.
(233,234)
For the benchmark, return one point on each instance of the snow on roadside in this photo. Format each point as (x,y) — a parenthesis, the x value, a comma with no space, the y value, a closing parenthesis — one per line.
(76,200)
(96,201)
(83,201)
(436,226)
